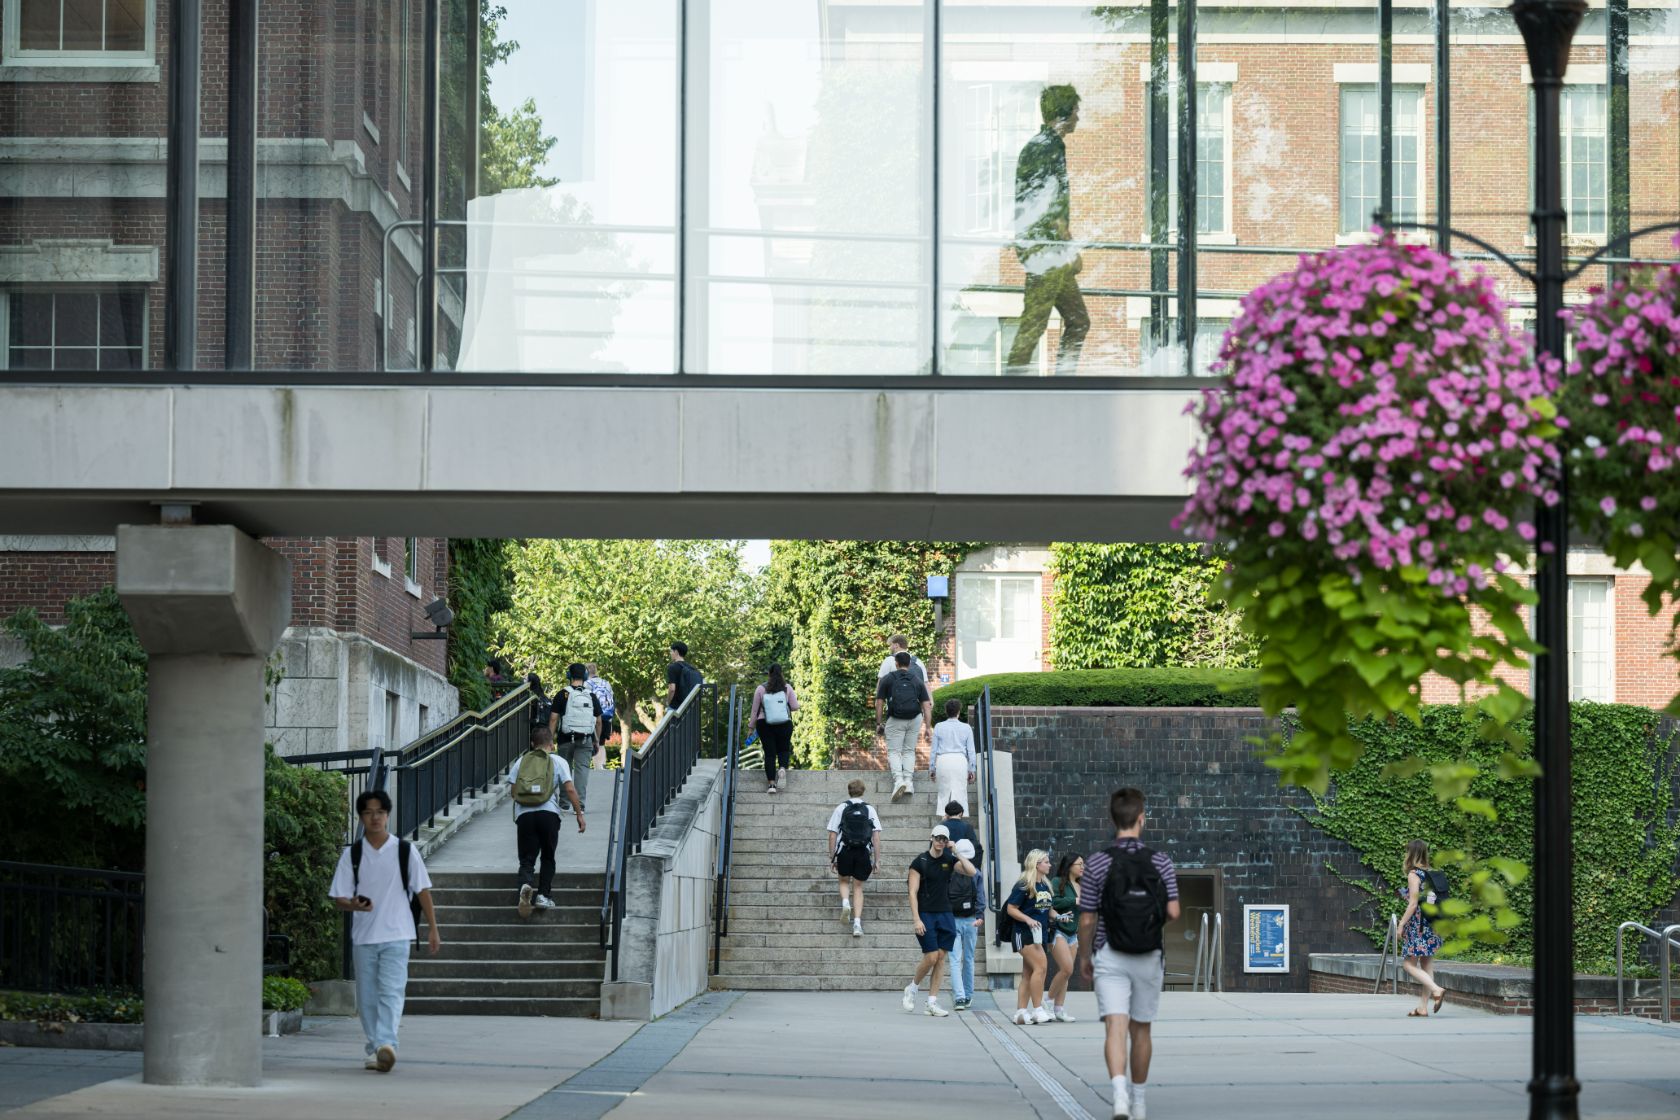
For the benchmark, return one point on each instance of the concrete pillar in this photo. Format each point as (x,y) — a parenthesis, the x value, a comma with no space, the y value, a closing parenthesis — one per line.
(209,605)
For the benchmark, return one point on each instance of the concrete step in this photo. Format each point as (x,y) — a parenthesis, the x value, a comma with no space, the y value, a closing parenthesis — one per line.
(499,896)
(509,880)
(787,982)
(442,968)
(573,1008)
(797,927)
(479,988)
(525,948)
(507,913)
(765,853)
(541,928)
(842,953)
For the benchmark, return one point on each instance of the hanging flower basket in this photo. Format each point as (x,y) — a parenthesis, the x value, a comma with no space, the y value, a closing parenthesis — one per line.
(1622,395)
(1371,463)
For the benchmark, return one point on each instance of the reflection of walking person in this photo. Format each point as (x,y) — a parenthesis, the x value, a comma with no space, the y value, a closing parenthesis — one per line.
(1045,249)
(1418,940)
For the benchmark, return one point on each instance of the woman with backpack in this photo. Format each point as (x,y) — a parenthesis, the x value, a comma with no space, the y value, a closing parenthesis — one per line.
(541,705)
(1418,940)
(1029,907)
(773,705)
(1064,937)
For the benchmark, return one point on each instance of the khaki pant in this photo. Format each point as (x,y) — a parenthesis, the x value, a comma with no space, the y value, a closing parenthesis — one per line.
(1057,288)
(901,748)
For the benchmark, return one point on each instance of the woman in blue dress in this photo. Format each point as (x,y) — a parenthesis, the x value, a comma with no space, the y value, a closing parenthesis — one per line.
(1418,940)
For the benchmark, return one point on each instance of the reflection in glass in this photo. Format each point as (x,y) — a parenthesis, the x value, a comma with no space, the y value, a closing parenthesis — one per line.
(1361,156)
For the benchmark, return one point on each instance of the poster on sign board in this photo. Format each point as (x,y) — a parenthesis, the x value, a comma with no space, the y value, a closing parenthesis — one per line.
(1266,938)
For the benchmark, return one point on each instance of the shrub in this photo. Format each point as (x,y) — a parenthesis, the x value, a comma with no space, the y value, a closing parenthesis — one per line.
(282,993)
(305,812)
(1110,688)
(97,1007)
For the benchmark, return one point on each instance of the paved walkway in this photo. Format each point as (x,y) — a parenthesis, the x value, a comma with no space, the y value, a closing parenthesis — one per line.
(838,1054)
(488,842)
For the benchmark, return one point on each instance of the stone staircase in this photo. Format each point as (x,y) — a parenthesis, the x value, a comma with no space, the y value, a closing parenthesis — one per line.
(493,962)
(785,927)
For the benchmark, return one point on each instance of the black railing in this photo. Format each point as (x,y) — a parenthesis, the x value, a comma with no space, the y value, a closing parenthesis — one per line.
(70,928)
(648,779)
(994,872)
(436,771)
(363,770)
(726,828)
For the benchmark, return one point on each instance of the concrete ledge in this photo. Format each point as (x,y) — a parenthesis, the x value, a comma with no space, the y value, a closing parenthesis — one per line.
(73,1036)
(1494,987)
(627,999)
(331,997)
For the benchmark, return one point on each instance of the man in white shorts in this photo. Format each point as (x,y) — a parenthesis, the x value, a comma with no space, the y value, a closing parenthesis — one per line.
(1120,944)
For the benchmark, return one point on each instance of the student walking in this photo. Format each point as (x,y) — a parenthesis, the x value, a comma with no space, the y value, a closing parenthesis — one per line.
(773,705)
(1419,943)
(968,910)
(539,778)
(902,705)
(575,724)
(854,848)
(896,645)
(930,915)
(603,691)
(951,759)
(1064,933)
(1128,893)
(1029,908)
(681,678)
(381,880)
(541,706)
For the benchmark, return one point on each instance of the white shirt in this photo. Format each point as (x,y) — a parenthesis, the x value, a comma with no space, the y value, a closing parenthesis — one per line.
(834,819)
(381,881)
(889,664)
(953,736)
(562,775)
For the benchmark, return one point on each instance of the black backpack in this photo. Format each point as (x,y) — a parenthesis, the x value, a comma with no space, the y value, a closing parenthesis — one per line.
(856,829)
(1436,881)
(541,706)
(414,906)
(904,698)
(963,895)
(1134,901)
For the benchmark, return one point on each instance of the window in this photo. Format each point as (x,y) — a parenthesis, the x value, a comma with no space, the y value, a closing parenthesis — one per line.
(1362,156)
(411,559)
(1591,653)
(405,51)
(1213,158)
(75,330)
(393,721)
(1584,173)
(74,30)
(998,623)
(1165,361)
(998,117)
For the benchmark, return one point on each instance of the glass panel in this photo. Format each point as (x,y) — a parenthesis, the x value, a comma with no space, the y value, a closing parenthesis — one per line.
(121,319)
(38,25)
(1589,640)
(125,25)
(75,358)
(29,359)
(119,359)
(31,316)
(84,25)
(75,320)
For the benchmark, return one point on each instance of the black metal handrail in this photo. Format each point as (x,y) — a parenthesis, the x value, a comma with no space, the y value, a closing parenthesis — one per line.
(483,746)
(726,830)
(994,872)
(70,928)
(362,770)
(651,778)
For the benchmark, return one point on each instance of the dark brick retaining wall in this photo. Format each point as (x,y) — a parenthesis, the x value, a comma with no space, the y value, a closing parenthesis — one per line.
(1211,804)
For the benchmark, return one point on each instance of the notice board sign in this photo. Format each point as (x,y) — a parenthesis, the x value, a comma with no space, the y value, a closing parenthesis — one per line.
(1266,938)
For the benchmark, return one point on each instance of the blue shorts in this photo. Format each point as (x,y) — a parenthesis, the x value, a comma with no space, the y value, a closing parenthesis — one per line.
(941,932)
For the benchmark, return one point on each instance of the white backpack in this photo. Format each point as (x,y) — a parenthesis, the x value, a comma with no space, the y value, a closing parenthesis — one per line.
(775,706)
(578,716)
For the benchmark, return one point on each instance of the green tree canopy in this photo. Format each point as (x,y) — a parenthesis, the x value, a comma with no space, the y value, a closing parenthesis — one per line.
(621,604)
(1121,606)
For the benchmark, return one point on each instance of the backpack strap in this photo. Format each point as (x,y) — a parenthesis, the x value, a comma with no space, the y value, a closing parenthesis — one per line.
(402,862)
(355,868)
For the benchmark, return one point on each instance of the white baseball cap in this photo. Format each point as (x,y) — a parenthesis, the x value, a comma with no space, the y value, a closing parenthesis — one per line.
(964,848)
(940,830)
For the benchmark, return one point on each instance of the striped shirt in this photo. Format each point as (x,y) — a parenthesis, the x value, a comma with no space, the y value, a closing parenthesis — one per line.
(1096,874)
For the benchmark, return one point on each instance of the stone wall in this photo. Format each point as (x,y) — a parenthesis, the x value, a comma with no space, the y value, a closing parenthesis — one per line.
(1211,804)
(343,692)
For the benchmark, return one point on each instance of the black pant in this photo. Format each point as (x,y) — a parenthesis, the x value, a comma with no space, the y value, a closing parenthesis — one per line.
(539,831)
(777,739)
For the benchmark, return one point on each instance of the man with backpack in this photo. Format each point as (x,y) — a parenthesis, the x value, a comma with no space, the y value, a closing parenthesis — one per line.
(575,723)
(1128,894)
(930,914)
(681,678)
(538,778)
(902,705)
(968,910)
(854,846)
(603,691)
(382,882)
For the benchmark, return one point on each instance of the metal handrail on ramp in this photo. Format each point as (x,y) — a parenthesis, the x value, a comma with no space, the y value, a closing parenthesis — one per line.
(1665,946)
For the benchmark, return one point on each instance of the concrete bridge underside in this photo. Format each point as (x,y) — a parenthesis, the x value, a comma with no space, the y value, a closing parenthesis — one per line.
(1067,463)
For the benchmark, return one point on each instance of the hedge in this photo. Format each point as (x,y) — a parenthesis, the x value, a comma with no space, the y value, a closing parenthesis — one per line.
(98,1007)
(1110,688)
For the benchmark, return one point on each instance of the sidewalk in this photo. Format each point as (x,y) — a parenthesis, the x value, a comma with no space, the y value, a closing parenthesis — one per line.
(488,842)
(774,1055)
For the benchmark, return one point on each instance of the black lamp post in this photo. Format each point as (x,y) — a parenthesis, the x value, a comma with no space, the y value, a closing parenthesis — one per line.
(1548,27)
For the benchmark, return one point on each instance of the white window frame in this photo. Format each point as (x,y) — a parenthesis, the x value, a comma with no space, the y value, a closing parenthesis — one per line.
(12,53)
(962,577)
(411,566)
(1208,74)
(1575,677)
(1581,76)
(400,106)
(1420,186)
(6,294)
(379,564)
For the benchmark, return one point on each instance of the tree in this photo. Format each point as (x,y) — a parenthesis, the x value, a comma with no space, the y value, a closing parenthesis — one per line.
(1120,606)
(621,604)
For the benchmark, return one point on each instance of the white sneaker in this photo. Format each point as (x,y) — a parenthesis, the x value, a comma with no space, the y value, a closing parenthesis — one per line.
(909,1002)
(1063,1017)
(1137,1108)
(845,909)
(1040,1015)
(543,902)
(371,1063)
(526,893)
(935,1010)
(1022,1018)
(1123,1107)
(384,1058)
(857,927)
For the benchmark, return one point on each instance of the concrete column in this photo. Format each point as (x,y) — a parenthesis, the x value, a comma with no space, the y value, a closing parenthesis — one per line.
(209,605)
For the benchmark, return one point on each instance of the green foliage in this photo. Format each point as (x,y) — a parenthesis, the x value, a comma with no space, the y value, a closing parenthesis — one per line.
(73,739)
(305,812)
(480,584)
(842,600)
(282,993)
(621,604)
(1627,837)
(1125,605)
(99,1007)
(1110,688)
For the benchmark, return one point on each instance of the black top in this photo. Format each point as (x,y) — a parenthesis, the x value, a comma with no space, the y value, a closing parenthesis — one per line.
(685,676)
(883,687)
(934,894)
(961,830)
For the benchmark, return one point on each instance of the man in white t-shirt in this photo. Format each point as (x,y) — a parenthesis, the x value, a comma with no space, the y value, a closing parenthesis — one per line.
(538,825)
(854,848)
(896,645)
(369,884)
